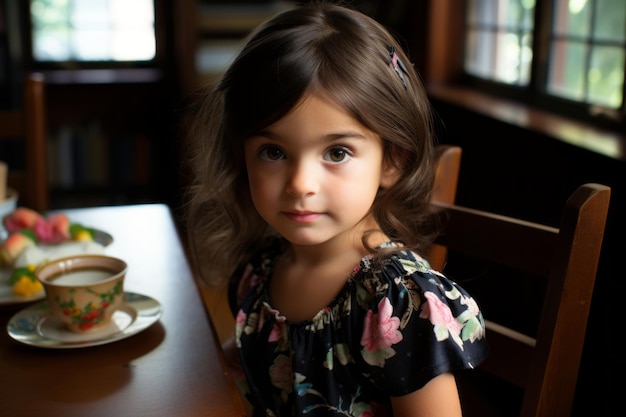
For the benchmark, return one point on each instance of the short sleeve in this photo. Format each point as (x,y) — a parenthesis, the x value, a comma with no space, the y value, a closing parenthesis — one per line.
(417,324)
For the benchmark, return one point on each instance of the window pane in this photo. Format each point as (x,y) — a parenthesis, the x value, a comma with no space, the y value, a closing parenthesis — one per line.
(606,75)
(50,31)
(482,12)
(93,30)
(566,73)
(528,12)
(88,30)
(526,59)
(478,53)
(511,13)
(610,20)
(508,52)
(132,37)
(572,17)
(498,43)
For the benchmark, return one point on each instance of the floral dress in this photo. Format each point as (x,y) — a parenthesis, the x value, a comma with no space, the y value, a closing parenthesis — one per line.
(395,325)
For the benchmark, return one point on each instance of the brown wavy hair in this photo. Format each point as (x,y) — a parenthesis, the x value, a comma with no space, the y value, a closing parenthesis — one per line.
(341,55)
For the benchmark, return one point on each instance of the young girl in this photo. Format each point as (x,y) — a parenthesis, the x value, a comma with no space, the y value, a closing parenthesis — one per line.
(313,168)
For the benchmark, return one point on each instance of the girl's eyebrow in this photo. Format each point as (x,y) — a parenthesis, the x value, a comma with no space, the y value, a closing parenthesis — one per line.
(347,134)
(330,137)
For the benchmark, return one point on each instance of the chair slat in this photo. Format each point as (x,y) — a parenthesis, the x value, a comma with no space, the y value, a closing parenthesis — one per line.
(27,125)
(488,236)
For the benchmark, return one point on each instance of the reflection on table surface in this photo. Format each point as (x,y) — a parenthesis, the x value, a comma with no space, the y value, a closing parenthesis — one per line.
(173,368)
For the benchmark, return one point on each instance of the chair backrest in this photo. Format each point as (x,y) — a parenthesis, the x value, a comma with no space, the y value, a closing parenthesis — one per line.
(444,191)
(537,354)
(27,125)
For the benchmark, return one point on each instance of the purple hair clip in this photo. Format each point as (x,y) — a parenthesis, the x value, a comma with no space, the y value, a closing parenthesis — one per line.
(398,66)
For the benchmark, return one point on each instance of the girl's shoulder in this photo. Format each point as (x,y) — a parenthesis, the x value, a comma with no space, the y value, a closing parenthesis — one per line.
(407,312)
(394,264)
(403,276)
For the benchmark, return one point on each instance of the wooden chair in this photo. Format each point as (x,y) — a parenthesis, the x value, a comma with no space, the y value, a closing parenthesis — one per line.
(27,125)
(511,265)
(444,191)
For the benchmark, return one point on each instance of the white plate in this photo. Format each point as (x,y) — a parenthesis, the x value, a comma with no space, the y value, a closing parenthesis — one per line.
(35,325)
(6,293)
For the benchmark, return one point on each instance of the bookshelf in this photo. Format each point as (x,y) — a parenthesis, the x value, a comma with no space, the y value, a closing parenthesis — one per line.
(109,142)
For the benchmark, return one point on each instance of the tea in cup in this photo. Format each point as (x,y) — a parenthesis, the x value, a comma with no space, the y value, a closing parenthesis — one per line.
(84,290)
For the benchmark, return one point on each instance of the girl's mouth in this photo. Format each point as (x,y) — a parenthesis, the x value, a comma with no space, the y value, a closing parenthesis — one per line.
(302,216)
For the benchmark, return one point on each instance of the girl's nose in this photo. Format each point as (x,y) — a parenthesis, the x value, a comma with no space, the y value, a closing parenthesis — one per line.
(302,180)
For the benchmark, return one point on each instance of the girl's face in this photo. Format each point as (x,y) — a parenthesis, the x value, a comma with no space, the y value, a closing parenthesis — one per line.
(314,174)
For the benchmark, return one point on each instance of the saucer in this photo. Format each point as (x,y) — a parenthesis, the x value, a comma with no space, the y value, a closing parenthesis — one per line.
(35,325)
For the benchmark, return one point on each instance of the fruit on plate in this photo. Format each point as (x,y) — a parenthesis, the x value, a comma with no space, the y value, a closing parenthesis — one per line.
(23,223)
(52,229)
(20,218)
(34,239)
(24,282)
(15,244)
(81,233)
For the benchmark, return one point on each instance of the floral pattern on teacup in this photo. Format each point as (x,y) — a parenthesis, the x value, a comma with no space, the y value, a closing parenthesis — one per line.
(91,314)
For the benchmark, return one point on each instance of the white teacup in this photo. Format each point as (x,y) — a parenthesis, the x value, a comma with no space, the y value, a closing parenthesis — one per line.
(84,290)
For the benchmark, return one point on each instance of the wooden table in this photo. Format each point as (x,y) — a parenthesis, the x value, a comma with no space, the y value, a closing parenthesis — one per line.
(172,369)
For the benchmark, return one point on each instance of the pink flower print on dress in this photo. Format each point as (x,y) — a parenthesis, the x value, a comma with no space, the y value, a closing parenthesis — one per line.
(240,326)
(248,281)
(241,318)
(276,333)
(380,332)
(374,410)
(444,322)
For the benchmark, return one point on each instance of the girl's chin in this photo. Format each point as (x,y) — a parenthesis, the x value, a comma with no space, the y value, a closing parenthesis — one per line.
(301,241)
(303,238)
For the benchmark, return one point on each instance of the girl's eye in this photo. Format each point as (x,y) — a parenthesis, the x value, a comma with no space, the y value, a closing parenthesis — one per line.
(337,154)
(271,153)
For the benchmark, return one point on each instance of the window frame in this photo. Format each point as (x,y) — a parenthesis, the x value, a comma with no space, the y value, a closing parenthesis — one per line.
(534,94)
(447,82)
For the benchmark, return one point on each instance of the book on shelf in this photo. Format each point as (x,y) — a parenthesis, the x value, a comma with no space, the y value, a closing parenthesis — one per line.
(86,156)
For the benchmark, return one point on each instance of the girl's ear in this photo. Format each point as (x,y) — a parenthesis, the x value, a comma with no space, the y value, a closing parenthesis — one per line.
(389,175)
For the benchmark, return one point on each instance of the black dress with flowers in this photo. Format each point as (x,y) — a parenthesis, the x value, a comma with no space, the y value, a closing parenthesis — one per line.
(395,325)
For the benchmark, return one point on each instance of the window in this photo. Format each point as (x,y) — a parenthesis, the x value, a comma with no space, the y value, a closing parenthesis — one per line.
(92,30)
(568,54)
(499,40)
